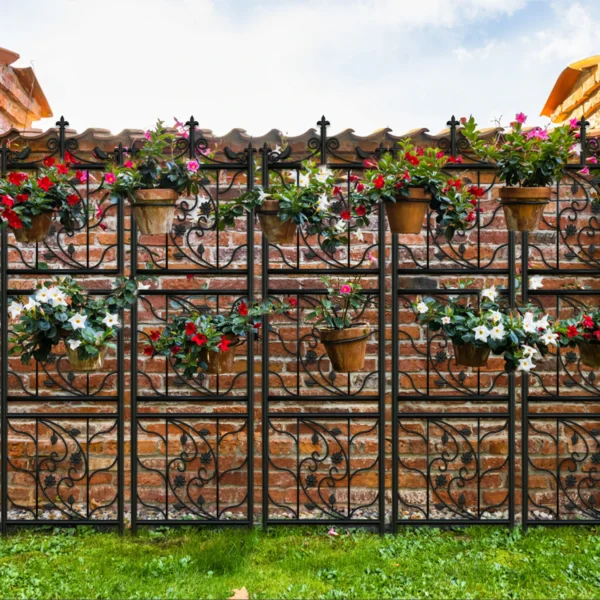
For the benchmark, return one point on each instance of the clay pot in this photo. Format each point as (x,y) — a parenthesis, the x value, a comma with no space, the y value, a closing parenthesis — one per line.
(220,362)
(38,232)
(154,210)
(469,355)
(523,206)
(86,364)
(346,348)
(273,228)
(407,213)
(590,353)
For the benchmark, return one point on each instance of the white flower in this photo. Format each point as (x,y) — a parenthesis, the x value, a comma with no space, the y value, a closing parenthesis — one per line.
(529,351)
(111,320)
(74,344)
(304,180)
(324,174)
(489,293)
(542,323)
(143,286)
(446,320)
(340,226)
(15,309)
(528,323)
(535,282)
(525,364)
(323,202)
(359,235)
(549,338)
(481,333)
(422,308)
(31,304)
(57,297)
(78,321)
(43,295)
(498,332)
(495,316)
(262,195)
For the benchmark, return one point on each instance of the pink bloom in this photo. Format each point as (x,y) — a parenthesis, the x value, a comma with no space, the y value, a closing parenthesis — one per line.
(193,166)
(593,160)
(129,165)
(439,154)
(99,212)
(333,532)
(110,178)
(345,289)
(84,176)
(537,133)
(573,123)
(148,135)
(584,171)
(575,149)
(520,118)
(373,260)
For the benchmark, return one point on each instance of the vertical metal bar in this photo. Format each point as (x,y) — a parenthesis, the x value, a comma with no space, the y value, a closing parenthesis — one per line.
(512,292)
(133,383)
(395,382)
(381,367)
(511,449)
(524,451)
(4,382)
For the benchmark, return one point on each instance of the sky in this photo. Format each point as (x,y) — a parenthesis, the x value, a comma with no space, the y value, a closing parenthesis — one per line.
(281,64)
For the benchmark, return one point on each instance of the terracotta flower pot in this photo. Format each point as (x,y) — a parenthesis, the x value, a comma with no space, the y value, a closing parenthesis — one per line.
(154,210)
(346,348)
(523,206)
(590,353)
(38,232)
(273,228)
(86,364)
(220,362)
(407,213)
(469,355)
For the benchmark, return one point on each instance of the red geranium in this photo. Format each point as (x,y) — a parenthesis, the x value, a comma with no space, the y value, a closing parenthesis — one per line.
(190,328)
(379,182)
(345,215)
(199,339)
(62,169)
(49,162)
(476,191)
(7,201)
(572,331)
(243,309)
(149,351)
(223,345)
(293,301)
(175,349)
(360,187)
(72,199)
(361,211)
(45,183)
(155,335)
(22,197)
(588,321)
(471,217)
(17,178)
(14,221)
(257,325)
(354,178)
(336,190)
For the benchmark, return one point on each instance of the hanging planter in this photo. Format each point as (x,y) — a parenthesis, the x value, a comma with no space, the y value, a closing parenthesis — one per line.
(38,232)
(94,363)
(346,348)
(523,206)
(590,353)
(154,210)
(273,228)
(406,214)
(470,355)
(220,361)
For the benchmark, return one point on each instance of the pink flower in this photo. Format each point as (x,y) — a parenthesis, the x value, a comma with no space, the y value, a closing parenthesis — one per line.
(575,149)
(128,165)
(573,123)
(593,160)
(110,178)
(439,155)
(193,166)
(345,289)
(538,133)
(148,135)
(99,212)
(373,260)
(520,118)
(584,171)
(333,532)
(84,176)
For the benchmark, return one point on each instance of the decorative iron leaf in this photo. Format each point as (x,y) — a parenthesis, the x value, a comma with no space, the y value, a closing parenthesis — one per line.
(332,499)
(575,187)
(71,249)
(570,506)
(201,249)
(595,431)
(201,500)
(179,506)
(183,439)
(310,383)
(574,438)
(178,255)
(48,506)
(74,432)
(569,383)
(204,431)
(48,382)
(71,500)
(591,500)
(440,382)
(310,506)
(336,431)
(53,439)
(465,431)
(445,438)
(71,376)
(315,438)
(461,500)
(439,506)
(332,375)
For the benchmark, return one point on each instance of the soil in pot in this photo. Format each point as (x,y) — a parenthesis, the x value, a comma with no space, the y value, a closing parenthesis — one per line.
(590,353)
(220,362)
(95,363)
(407,213)
(469,355)
(273,228)
(523,206)
(154,210)
(346,348)
(38,232)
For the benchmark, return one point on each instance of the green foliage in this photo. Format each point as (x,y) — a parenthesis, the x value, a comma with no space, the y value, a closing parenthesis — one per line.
(584,327)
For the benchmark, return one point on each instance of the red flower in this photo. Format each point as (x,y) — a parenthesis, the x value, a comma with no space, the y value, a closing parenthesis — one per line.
(257,325)
(412,159)
(345,215)
(587,336)
(420,152)
(406,176)
(128,165)
(588,321)
(336,190)
(360,187)
(597,333)
(190,328)
(243,309)
(199,339)
(572,331)
(175,349)
(17,178)
(224,344)
(471,217)
(155,335)
(149,351)
(293,301)
(7,201)
(457,159)
(354,178)
(45,183)
(361,211)
(22,197)
(49,162)
(473,201)
(69,158)
(189,276)
(102,226)
(476,191)
(14,221)
(379,182)
(455,183)
(63,169)
(72,199)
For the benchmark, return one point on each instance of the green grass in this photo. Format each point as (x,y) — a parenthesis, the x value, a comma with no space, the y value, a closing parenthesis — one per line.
(483,562)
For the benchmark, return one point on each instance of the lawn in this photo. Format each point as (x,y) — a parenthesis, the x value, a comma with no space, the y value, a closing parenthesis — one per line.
(483,562)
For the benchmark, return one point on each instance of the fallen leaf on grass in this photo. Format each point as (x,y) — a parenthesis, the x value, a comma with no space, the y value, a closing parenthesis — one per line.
(241,594)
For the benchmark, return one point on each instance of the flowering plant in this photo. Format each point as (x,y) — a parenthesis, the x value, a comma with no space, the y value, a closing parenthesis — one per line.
(583,328)
(24,196)
(154,166)
(392,177)
(336,309)
(188,337)
(534,158)
(520,336)
(312,199)
(61,310)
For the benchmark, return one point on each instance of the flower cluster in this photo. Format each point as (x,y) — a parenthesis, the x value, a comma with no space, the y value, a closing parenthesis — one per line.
(24,196)
(521,336)
(339,308)
(60,310)
(534,158)
(583,328)
(187,338)
(156,165)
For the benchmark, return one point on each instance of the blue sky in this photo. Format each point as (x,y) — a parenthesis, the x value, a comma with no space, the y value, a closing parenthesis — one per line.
(263,64)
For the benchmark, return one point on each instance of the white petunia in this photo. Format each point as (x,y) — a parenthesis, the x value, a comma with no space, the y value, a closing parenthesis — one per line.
(262,195)
(542,323)
(489,293)
(74,344)
(31,304)
(43,295)
(304,180)
(359,235)
(78,321)
(57,297)
(549,338)
(529,351)
(535,282)
(143,286)
(525,365)
(323,202)
(495,316)
(324,174)
(340,226)
(422,308)
(481,333)
(498,332)
(111,320)
(446,320)
(15,309)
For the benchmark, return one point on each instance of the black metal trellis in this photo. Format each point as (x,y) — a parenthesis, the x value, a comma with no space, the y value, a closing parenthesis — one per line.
(441,471)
